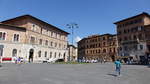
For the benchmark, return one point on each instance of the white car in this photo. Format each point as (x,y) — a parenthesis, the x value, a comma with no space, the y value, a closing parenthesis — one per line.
(52,60)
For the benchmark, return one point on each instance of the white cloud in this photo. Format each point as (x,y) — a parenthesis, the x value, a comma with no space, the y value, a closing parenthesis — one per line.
(77,39)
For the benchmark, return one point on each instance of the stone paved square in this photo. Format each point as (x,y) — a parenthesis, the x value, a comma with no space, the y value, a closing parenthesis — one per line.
(72,74)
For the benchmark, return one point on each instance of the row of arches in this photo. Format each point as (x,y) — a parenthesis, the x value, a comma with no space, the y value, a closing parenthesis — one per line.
(32,52)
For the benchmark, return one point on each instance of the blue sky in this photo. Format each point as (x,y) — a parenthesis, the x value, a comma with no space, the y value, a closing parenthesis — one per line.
(92,16)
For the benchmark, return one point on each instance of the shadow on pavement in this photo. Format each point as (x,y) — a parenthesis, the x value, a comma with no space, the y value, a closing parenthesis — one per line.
(112,75)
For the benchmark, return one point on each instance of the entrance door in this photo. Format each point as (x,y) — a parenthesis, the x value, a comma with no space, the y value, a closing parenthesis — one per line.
(113,58)
(31,52)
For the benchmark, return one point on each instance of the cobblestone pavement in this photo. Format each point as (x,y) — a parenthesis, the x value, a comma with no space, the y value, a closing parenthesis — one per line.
(72,74)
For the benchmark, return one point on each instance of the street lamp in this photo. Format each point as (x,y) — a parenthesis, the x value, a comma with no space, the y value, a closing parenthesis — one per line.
(72,26)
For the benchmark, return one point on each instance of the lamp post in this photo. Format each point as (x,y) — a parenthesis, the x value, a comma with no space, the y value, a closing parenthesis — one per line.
(72,26)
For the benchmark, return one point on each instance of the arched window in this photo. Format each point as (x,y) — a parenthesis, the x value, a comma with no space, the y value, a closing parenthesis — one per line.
(59,55)
(14,53)
(1,50)
(39,53)
(50,54)
(45,54)
(104,50)
(55,54)
(99,51)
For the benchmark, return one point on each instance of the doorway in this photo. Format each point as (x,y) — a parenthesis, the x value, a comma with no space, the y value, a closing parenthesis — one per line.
(31,53)
(113,58)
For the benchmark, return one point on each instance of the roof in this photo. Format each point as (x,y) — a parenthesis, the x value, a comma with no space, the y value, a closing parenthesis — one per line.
(30,16)
(107,34)
(144,13)
(93,36)
(72,46)
(14,27)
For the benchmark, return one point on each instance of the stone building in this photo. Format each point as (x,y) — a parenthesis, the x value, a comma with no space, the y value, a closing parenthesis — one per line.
(72,53)
(98,47)
(32,39)
(133,36)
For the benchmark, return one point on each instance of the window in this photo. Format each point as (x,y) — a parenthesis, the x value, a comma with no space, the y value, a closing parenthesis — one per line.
(99,45)
(99,51)
(32,40)
(120,39)
(50,54)
(40,41)
(45,54)
(16,37)
(33,27)
(59,45)
(59,55)
(125,31)
(14,53)
(55,54)
(1,50)
(2,35)
(141,47)
(128,31)
(51,34)
(55,44)
(46,42)
(114,49)
(104,43)
(87,51)
(104,50)
(110,50)
(87,46)
(125,38)
(134,37)
(51,44)
(39,53)
(103,38)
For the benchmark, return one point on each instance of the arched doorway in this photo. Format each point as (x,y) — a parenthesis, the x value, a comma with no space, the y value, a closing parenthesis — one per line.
(14,53)
(31,53)
(64,56)
(113,58)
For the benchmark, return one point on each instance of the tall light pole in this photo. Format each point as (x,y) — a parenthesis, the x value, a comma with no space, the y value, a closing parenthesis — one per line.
(72,26)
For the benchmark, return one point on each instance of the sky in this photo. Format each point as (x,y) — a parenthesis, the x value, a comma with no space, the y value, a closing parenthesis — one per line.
(92,16)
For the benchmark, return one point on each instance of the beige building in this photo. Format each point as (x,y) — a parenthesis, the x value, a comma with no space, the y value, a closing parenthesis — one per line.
(32,39)
(72,53)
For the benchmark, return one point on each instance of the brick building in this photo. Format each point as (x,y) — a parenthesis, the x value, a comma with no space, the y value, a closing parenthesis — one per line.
(98,47)
(133,37)
(32,39)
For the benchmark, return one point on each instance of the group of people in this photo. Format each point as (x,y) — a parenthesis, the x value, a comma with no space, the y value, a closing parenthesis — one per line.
(92,60)
(17,60)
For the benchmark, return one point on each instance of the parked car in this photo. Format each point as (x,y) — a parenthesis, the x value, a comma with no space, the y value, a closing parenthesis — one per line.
(49,60)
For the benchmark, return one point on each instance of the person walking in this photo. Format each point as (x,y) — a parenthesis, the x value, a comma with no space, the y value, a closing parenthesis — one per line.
(19,60)
(118,67)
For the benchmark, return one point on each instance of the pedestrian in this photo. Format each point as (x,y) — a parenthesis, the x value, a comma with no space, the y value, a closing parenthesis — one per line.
(104,61)
(19,60)
(15,59)
(118,67)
